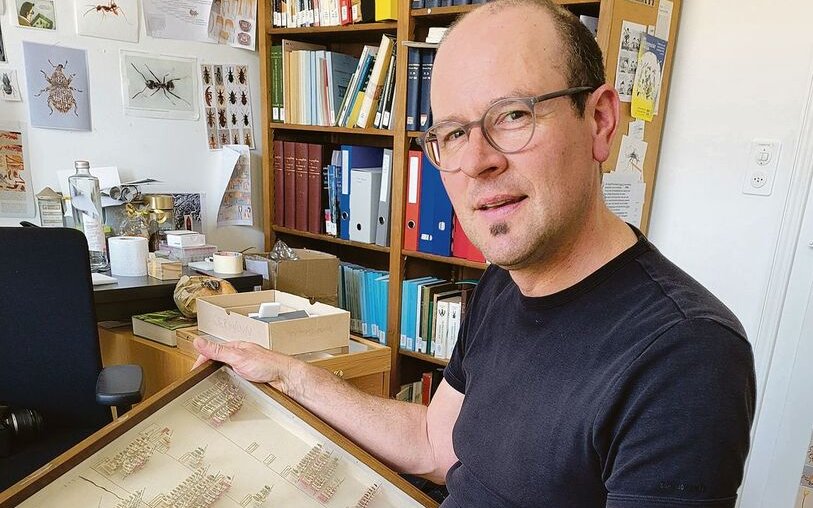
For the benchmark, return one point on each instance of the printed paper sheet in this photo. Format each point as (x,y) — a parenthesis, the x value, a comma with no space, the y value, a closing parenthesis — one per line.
(227,105)
(628,58)
(16,195)
(178,19)
(235,206)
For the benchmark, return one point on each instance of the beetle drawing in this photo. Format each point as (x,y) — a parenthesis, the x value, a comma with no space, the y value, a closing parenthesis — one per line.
(236,138)
(224,137)
(207,76)
(233,97)
(220,97)
(241,75)
(218,76)
(109,8)
(230,75)
(245,119)
(243,98)
(248,138)
(60,92)
(210,119)
(165,85)
(212,142)
(233,119)
(221,118)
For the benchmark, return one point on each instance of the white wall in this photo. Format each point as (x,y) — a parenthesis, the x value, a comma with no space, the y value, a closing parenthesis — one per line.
(742,70)
(173,151)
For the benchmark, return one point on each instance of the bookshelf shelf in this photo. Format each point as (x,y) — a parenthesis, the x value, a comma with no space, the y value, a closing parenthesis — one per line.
(443,11)
(334,30)
(427,358)
(330,239)
(445,259)
(414,134)
(334,130)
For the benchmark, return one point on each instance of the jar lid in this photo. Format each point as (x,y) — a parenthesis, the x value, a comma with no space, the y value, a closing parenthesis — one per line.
(159,201)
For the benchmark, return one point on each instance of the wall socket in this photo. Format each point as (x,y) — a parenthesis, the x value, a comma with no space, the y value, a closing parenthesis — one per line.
(763,160)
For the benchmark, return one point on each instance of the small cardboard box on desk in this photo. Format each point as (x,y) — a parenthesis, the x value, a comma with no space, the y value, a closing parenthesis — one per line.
(315,275)
(227,317)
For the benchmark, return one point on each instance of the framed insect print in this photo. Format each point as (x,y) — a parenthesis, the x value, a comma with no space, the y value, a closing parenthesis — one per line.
(159,86)
(213,439)
(58,86)
(108,19)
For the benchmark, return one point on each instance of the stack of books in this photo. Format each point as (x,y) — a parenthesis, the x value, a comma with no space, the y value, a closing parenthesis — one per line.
(161,326)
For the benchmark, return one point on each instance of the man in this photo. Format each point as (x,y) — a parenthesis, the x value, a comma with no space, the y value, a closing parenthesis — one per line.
(589,370)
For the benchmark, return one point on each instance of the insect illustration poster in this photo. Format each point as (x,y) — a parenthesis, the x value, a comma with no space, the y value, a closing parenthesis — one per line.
(36,14)
(227,105)
(9,89)
(159,86)
(58,88)
(108,19)
(16,196)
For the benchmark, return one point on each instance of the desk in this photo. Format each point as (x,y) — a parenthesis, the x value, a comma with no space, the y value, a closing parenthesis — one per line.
(365,364)
(138,295)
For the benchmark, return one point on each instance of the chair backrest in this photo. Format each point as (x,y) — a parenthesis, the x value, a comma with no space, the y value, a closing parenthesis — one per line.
(49,344)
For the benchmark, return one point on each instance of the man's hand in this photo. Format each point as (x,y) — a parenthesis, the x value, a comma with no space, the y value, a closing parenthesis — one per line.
(250,361)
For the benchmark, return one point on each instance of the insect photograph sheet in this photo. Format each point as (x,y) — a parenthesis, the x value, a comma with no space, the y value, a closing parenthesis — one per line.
(227,105)
(159,86)
(36,14)
(178,19)
(58,88)
(9,89)
(2,47)
(16,196)
(111,19)
(234,22)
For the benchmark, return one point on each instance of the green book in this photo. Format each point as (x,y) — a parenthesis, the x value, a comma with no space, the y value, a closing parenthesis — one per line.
(161,326)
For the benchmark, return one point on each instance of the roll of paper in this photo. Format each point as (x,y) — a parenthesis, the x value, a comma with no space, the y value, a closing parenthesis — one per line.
(128,255)
(228,262)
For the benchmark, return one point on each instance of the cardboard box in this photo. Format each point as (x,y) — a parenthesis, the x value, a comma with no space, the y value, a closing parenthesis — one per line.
(184,238)
(315,275)
(226,317)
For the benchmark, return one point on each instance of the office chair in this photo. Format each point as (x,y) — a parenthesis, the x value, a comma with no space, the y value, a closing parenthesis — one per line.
(50,360)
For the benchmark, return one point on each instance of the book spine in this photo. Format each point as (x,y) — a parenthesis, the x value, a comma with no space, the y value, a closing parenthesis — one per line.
(413,88)
(427,63)
(279,184)
(289,169)
(315,212)
(301,187)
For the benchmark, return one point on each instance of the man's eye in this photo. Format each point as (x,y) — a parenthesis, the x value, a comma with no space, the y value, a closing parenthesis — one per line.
(513,116)
(453,135)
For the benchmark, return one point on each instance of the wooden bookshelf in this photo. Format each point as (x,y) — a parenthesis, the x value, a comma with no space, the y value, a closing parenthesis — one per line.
(412,25)
(426,358)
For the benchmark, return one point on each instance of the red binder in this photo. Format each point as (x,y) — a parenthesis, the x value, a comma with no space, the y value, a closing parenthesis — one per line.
(413,200)
(301,187)
(289,170)
(462,246)
(316,214)
(279,185)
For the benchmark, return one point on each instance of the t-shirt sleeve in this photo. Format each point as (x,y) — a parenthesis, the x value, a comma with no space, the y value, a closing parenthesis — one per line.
(453,373)
(674,431)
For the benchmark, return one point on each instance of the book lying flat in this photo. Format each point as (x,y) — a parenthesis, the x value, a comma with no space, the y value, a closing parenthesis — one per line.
(161,326)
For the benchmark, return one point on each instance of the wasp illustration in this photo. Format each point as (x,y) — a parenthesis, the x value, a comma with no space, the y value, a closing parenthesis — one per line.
(110,8)
(241,75)
(164,85)
(207,76)
(220,97)
(210,118)
(218,76)
(207,95)
(60,91)
(233,97)
(243,98)
(230,75)
(221,118)
(233,119)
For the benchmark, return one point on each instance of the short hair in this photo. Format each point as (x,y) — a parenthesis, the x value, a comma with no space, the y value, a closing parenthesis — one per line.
(584,63)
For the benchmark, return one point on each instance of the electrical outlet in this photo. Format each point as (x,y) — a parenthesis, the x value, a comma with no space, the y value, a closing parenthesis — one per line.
(763,160)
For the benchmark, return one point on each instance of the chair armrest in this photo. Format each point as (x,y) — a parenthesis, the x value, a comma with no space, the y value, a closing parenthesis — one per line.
(120,385)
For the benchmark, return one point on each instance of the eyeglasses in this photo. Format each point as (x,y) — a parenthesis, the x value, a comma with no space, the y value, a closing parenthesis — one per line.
(508,125)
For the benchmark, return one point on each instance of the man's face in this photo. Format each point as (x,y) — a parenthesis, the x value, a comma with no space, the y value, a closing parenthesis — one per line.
(514,207)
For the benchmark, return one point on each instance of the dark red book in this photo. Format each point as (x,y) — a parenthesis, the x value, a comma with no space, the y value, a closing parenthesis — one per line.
(301,187)
(289,170)
(279,185)
(462,246)
(316,213)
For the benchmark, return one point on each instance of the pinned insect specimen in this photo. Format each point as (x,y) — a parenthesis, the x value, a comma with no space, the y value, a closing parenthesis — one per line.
(236,138)
(233,97)
(248,138)
(233,119)
(207,76)
(245,119)
(218,76)
(164,85)
(220,97)
(230,75)
(241,75)
(221,118)
(207,95)
(210,119)
(243,98)
(212,142)
(60,91)
(224,137)
(111,8)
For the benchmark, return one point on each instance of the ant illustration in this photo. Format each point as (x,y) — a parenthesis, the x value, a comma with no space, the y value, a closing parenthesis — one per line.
(248,138)
(241,75)
(218,75)
(236,138)
(221,118)
(110,8)
(212,142)
(207,76)
(220,97)
(210,118)
(230,75)
(159,85)
(233,97)
(245,119)
(243,98)
(233,119)
(224,138)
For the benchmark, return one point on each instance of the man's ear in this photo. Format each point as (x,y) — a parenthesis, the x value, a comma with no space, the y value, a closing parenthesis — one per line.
(602,111)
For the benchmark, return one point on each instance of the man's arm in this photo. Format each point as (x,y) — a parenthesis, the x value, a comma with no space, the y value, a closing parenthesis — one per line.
(410,438)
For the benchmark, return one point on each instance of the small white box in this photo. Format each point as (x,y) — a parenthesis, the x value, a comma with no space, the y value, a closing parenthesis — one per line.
(185,238)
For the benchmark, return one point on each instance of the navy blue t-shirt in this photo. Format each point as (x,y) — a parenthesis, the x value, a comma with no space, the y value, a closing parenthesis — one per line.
(632,388)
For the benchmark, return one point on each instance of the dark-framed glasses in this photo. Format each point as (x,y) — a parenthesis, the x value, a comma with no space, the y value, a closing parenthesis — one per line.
(508,125)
